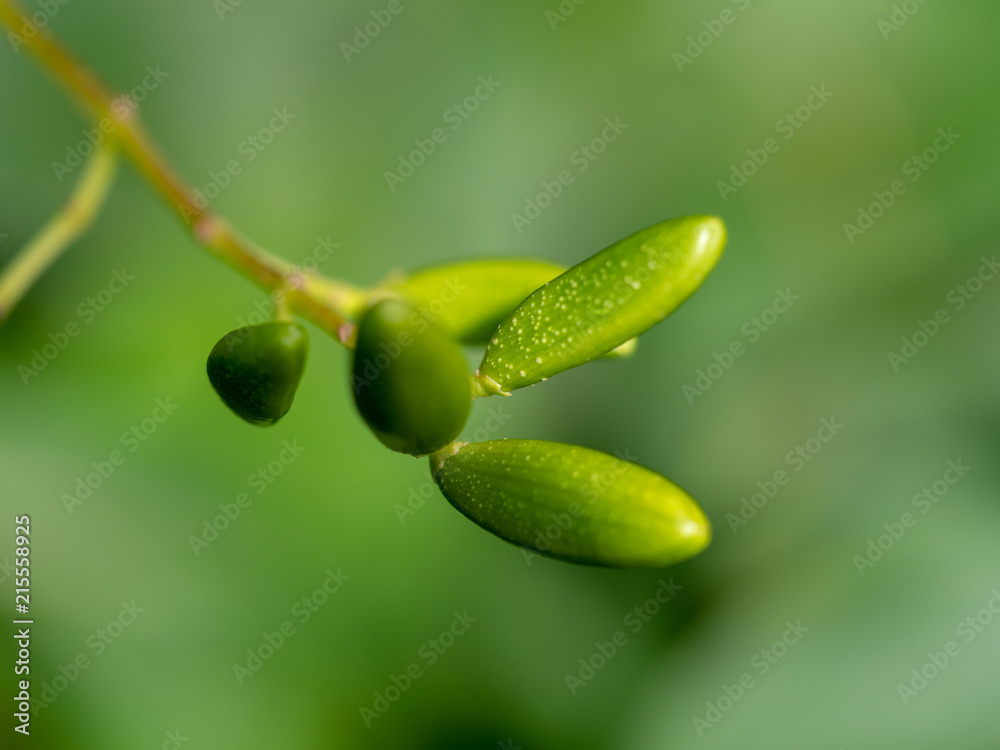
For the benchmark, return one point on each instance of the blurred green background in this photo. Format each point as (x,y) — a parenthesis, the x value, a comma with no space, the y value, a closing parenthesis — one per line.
(703,671)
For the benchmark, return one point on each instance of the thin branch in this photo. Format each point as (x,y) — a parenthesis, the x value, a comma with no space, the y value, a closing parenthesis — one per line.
(312,296)
(62,230)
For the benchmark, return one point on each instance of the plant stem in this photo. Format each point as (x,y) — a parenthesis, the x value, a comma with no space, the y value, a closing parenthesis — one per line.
(61,231)
(310,295)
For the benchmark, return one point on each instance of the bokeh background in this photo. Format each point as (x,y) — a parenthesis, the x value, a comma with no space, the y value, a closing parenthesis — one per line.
(169,676)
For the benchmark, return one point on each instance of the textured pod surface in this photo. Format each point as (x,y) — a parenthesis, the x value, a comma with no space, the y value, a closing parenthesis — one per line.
(410,380)
(572,503)
(601,303)
(471,298)
(256,369)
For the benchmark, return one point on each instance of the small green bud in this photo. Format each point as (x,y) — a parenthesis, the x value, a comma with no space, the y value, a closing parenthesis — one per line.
(256,369)
(410,380)
(601,303)
(571,503)
(470,298)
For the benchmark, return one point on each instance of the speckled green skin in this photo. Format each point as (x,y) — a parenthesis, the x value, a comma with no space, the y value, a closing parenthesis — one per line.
(256,370)
(602,302)
(471,298)
(410,380)
(572,503)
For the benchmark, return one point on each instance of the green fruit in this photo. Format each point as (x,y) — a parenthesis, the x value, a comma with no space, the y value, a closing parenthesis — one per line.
(256,369)
(572,503)
(411,383)
(601,303)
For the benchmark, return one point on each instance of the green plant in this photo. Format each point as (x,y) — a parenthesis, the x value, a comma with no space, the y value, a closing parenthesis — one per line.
(411,384)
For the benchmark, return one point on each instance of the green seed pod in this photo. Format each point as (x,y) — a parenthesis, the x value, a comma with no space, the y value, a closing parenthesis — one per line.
(571,503)
(471,298)
(411,383)
(601,303)
(256,369)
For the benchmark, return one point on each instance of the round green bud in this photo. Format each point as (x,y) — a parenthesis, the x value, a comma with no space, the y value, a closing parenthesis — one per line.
(572,503)
(256,369)
(410,380)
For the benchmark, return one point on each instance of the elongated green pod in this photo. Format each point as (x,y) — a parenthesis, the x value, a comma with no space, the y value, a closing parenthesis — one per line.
(471,298)
(571,503)
(601,303)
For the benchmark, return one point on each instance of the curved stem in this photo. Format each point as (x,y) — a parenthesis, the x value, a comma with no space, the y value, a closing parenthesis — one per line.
(61,231)
(313,297)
